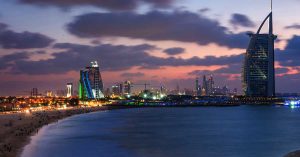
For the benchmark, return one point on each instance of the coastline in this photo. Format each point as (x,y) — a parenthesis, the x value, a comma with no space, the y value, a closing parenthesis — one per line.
(24,125)
(16,129)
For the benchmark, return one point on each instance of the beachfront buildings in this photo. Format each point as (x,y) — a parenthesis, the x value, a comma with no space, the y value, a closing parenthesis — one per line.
(69,90)
(258,71)
(90,83)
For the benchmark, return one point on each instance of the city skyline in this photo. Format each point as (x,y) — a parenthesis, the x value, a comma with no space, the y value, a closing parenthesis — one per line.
(173,42)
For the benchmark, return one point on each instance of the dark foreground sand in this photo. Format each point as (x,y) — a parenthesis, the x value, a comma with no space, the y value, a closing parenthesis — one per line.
(293,154)
(16,129)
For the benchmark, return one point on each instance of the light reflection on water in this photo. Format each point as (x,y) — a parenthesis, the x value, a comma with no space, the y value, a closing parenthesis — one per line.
(243,131)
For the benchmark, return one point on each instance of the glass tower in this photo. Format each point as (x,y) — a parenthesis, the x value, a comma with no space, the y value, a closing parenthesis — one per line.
(90,84)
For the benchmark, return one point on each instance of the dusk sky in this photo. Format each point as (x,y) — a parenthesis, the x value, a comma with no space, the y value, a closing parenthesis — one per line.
(44,43)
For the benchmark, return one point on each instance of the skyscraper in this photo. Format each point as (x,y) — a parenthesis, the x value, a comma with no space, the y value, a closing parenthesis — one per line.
(127,88)
(197,89)
(90,84)
(116,90)
(258,71)
(69,90)
(210,85)
(204,87)
(34,92)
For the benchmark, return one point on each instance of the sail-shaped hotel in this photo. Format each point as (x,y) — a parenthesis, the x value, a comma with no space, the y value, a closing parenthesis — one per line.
(258,70)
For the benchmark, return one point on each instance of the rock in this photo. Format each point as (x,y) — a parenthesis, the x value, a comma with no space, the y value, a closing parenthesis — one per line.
(293,154)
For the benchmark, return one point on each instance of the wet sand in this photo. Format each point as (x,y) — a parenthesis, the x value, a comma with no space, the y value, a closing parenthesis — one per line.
(16,128)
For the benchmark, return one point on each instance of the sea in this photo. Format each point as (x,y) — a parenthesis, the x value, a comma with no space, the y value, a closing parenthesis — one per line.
(241,131)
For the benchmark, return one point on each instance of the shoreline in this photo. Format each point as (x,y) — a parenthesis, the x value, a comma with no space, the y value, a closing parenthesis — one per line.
(17,128)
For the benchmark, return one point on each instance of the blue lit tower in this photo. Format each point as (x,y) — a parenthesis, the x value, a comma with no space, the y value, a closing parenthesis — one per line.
(259,73)
(90,84)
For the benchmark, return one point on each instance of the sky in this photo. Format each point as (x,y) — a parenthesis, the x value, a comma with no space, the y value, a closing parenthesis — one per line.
(44,44)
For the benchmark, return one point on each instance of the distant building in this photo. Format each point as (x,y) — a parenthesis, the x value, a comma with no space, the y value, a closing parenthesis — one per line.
(69,90)
(225,90)
(116,90)
(177,90)
(204,91)
(210,85)
(163,90)
(34,92)
(235,91)
(60,93)
(197,87)
(258,71)
(127,88)
(49,94)
(107,92)
(90,84)
(121,87)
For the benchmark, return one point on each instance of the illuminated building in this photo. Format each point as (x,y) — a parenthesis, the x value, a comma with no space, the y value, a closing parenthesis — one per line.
(127,88)
(204,91)
(90,84)
(49,94)
(69,90)
(258,72)
(116,90)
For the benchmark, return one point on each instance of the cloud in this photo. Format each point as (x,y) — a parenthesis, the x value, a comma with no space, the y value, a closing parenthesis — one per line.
(290,56)
(204,10)
(235,68)
(231,69)
(25,40)
(72,57)
(241,20)
(157,25)
(294,26)
(106,4)
(7,60)
(174,51)
(281,70)
(138,74)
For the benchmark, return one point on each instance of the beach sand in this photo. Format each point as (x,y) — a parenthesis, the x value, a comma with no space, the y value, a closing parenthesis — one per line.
(16,128)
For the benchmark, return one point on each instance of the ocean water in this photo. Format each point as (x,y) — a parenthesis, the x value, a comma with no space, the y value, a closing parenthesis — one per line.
(244,131)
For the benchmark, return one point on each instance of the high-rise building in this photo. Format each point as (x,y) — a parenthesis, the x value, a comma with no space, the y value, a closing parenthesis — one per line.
(210,85)
(204,91)
(127,88)
(258,71)
(34,92)
(116,90)
(90,84)
(197,87)
(121,88)
(69,90)
(107,92)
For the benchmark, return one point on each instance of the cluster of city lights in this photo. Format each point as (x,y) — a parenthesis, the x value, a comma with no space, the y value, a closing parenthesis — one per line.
(292,103)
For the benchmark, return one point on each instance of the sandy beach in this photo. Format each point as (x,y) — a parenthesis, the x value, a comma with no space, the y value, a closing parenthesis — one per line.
(16,128)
